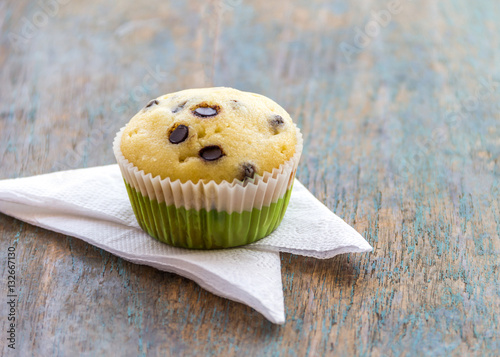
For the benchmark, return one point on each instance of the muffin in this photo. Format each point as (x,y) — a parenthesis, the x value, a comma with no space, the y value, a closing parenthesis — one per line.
(209,168)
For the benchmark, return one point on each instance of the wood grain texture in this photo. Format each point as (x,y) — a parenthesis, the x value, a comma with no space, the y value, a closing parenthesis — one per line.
(401,140)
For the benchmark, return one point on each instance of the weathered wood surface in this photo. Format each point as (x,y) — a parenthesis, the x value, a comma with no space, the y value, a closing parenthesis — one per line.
(384,148)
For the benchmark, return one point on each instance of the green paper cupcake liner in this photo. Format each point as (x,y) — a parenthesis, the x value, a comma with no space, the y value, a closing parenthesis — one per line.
(202,229)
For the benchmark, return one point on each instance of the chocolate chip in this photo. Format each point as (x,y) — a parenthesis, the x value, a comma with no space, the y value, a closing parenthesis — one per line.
(247,171)
(211,153)
(179,134)
(178,108)
(206,111)
(151,103)
(276,121)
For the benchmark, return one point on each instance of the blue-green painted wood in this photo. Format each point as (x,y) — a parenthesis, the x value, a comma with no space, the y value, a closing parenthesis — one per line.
(401,140)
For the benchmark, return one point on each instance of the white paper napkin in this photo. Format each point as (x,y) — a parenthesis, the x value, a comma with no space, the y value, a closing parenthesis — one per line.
(92,204)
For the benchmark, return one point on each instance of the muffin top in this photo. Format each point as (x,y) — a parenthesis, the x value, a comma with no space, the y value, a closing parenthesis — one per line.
(209,134)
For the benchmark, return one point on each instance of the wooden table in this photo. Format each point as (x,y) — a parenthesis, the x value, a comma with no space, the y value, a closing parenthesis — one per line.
(401,123)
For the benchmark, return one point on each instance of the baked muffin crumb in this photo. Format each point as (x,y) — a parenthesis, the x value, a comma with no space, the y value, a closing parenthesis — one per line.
(209,134)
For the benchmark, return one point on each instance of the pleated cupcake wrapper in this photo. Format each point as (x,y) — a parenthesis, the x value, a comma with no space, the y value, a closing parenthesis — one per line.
(209,215)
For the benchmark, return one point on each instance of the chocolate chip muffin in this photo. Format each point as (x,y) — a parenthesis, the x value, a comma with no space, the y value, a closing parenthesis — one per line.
(209,168)
(218,134)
